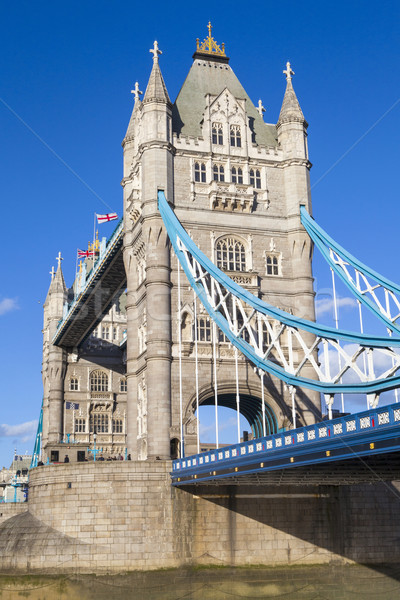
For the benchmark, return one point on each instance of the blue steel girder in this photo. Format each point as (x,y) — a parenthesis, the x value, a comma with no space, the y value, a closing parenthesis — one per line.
(380,295)
(359,447)
(259,339)
(104,283)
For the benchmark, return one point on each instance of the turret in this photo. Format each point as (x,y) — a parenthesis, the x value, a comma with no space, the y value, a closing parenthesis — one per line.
(148,159)
(54,360)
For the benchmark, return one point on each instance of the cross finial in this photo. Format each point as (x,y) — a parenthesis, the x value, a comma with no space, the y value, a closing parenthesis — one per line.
(59,259)
(136,92)
(52,273)
(155,52)
(260,108)
(288,71)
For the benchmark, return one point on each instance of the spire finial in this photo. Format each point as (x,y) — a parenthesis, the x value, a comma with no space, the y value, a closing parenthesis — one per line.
(288,71)
(155,52)
(136,92)
(209,45)
(260,108)
(59,259)
(52,273)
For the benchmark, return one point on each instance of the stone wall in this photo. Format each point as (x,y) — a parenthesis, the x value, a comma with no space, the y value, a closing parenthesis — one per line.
(10,509)
(116,516)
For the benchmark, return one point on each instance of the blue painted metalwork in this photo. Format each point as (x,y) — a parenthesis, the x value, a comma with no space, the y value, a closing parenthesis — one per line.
(38,441)
(324,243)
(179,236)
(86,283)
(297,447)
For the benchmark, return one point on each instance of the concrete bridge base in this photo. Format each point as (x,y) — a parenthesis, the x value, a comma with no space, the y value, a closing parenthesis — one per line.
(116,516)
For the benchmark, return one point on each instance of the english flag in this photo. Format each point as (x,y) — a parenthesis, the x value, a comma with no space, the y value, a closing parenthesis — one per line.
(85,253)
(106,218)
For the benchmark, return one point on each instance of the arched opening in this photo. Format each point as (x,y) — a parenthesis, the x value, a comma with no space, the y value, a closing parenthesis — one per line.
(251,418)
(175,448)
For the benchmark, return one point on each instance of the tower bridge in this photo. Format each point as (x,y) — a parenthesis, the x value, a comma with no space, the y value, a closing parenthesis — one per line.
(204,295)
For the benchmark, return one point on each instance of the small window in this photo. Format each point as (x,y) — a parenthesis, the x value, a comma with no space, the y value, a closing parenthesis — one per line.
(123,385)
(105,332)
(272,265)
(203,329)
(237,175)
(80,425)
(114,333)
(258,179)
(98,381)
(117,426)
(74,384)
(200,172)
(217,137)
(252,178)
(236,139)
(218,173)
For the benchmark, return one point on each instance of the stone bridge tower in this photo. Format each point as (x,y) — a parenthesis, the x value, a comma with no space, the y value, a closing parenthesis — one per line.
(236,183)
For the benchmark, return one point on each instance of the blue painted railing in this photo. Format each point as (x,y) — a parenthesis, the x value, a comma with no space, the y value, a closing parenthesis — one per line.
(295,439)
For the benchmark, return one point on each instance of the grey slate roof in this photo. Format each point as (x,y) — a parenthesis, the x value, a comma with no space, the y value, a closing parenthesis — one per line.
(156,88)
(212,77)
(290,110)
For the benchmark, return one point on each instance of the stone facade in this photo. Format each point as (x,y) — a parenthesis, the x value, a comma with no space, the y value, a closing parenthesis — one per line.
(125,516)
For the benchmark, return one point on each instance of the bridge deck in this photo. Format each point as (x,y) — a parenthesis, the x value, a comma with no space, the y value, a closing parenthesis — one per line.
(363,447)
(104,282)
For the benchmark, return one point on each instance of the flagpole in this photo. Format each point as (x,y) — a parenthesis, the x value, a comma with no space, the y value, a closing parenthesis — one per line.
(94,234)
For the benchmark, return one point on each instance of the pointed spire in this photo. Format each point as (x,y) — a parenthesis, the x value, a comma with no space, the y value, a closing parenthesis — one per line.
(57,283)
(156,89)
(290,110)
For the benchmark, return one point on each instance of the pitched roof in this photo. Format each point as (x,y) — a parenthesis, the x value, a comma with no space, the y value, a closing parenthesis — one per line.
(156,89)
(210,76)
(290,110)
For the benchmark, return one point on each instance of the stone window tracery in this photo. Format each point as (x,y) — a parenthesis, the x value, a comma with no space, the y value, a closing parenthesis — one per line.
(80,425)
(230,255)
(218,173)
(98,381)
(236,139)
(74,384)
(98,423)
(200,172)
(123,385)
(105,332)
(117,426)
(217,135)
(272,264)
(237,175)
(203,329)
(255,178)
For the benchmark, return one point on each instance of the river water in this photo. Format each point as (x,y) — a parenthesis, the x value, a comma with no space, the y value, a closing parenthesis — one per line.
(333,582)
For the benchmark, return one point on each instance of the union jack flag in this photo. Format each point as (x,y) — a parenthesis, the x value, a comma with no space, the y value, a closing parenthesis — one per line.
(69,405)
(85,253)
(106,218)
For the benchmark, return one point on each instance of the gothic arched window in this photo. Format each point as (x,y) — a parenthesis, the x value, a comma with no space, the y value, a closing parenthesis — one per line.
(272,265)
(231,255)
(236,139)
(123,385)
(203,329)
(117,425)
(217,137)
(98,381)
(255,178)
(218,173)
(200,172)
(237,175)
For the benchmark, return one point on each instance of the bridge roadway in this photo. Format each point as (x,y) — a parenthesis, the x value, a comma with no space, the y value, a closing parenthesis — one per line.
(104,282)
(358,448)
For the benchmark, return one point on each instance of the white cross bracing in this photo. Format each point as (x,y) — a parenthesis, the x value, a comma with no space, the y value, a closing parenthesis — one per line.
(386,301)
(292,349)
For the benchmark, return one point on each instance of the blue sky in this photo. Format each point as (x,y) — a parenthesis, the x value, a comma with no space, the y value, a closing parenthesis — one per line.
(66,73)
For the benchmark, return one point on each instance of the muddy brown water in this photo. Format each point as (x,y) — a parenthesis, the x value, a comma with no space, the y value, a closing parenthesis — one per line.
(312,583)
